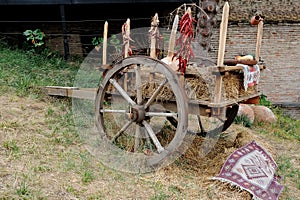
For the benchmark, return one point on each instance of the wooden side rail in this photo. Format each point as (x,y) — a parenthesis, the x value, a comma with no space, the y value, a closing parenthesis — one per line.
(232,68)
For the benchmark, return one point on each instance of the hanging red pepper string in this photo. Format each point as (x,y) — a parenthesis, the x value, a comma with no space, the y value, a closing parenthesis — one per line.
(185,39)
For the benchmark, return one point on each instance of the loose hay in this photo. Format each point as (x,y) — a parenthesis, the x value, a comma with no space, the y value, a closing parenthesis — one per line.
(199,85)
(197,88)
(234,86)
(202,88)
(164,94)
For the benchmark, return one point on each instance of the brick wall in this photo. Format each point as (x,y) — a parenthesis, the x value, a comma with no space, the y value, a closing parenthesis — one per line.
(280,45)
(280,52)
(293,112)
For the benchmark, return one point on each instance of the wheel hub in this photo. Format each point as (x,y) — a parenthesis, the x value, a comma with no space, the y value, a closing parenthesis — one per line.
(137,113)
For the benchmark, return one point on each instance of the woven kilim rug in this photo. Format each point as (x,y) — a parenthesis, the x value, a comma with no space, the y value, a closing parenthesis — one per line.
(253,169)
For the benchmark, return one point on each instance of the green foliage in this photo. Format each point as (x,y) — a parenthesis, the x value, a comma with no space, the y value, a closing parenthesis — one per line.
(35,41)
(97,41)
(35,37)
(113,41)
(243,120)
(98,196)
(264,101)
(285,127)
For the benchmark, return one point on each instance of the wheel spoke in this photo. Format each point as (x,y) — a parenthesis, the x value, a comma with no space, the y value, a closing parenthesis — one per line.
(121,131)
(137,137)
(122,92)
(138,82)
(160,114)
(155,93)
(153,137)
(112,111)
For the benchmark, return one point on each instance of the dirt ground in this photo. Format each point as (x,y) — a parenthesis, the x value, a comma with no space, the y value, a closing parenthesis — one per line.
(38,160)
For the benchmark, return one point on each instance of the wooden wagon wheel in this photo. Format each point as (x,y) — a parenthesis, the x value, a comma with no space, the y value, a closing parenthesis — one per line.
(132,111)
(231,112)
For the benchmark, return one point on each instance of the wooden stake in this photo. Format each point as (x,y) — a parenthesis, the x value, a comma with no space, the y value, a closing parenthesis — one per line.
(221,52)
(172,40)
(104,56)
(153,32)
(259,39)
(223,33)
(127,32)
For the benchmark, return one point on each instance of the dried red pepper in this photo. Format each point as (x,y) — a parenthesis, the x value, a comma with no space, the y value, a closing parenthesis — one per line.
(185,39)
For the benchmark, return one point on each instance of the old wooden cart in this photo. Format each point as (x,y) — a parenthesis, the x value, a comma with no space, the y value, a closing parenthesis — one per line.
(147,114)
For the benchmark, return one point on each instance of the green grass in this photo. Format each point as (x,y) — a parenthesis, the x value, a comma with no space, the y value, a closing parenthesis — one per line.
(25,73)
(159,192)
(11,146)
(288,173)
(285,127)
(243,120)
(287,169)
(286,130)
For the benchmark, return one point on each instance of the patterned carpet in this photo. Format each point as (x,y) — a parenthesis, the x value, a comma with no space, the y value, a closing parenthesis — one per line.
(253,169)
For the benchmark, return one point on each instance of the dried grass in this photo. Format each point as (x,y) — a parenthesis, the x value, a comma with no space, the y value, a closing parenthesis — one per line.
(55,171)
(202,88)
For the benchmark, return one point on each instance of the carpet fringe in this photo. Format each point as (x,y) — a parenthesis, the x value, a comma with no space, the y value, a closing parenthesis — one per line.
(240,188)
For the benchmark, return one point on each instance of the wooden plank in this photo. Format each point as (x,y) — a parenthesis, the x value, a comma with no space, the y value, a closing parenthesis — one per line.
(234,101)
(74,92)
(84,93)
(193,71)
(208,104)
(59,91)
(232,68)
